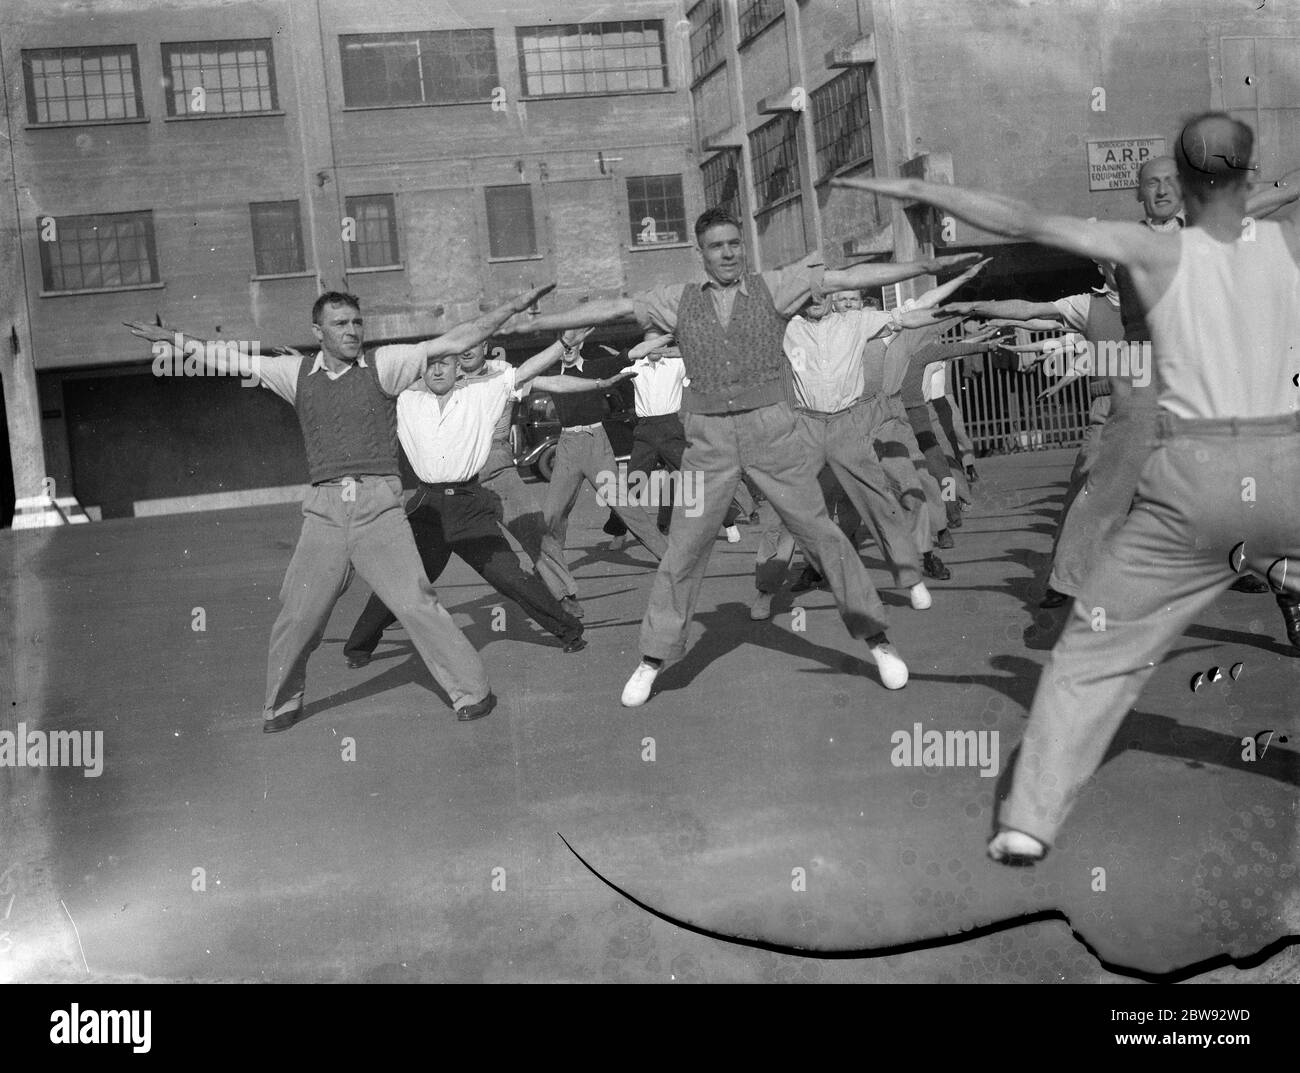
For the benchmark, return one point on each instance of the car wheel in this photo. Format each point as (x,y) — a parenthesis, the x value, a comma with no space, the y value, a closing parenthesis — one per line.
(546,464)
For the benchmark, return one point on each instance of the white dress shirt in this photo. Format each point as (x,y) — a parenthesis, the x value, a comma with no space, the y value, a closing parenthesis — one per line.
(449,439)
(658,385)
(826,356)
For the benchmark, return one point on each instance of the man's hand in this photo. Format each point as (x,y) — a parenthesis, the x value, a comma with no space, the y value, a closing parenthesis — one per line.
(153,333)
(938,264)
(574,337)
(610,381)
(530,298)
(647,345)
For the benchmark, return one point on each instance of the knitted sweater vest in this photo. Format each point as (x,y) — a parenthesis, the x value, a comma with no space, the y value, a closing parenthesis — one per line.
(349,425)
(740,367)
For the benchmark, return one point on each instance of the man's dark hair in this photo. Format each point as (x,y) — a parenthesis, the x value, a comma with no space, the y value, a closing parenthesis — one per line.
(1213,153)
(333,298)
(712,218)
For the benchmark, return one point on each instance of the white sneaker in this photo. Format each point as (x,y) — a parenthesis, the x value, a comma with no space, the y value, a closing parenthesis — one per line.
(920,596)
(761,609)
(733,535)
(637,690)
(893,671)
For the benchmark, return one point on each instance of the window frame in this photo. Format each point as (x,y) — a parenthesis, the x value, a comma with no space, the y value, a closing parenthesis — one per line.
(581,29)
(733,156)
(761,178)
(258,267)
(634,220)
(426,85)
(852,163)
(48,268)
(395,247)
(496,258)
(716,16)
(30,55)
(169,50)
(745,8)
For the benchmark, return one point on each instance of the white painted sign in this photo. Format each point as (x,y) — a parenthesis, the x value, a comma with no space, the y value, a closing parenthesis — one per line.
(1113,164)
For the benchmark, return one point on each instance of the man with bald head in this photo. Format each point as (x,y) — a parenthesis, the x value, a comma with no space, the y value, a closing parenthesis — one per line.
(1221,302)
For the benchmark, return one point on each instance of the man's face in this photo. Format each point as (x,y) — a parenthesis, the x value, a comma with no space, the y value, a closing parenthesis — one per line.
(723,253)
(474,359)
(842,301)
(440,374)
(1159,190)
(340,332)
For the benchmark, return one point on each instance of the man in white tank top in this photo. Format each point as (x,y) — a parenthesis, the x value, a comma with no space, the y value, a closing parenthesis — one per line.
(1221,490)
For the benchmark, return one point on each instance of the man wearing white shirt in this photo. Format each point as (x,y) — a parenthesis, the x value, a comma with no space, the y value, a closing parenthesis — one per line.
(445,425)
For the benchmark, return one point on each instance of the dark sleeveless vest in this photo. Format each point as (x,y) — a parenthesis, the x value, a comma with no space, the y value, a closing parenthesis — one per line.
(740,367)
(349,425)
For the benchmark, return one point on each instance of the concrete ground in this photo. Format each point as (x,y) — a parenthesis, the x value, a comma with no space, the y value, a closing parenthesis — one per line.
(381,840)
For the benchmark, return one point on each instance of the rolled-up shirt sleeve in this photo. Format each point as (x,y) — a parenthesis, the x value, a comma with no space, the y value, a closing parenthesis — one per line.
(793,285)
(398,366)
(279,373)
(1074,310)
(658,308)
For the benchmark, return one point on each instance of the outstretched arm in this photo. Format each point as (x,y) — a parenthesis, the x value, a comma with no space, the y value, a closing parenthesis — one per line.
(588,314)
(1271,198)
(1011,309)
(1102,240)
(459,339)
(935,295)
(572,385)
(539,363)
(859,277)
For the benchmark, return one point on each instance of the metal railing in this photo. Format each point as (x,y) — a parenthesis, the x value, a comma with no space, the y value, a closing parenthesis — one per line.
(1002,408)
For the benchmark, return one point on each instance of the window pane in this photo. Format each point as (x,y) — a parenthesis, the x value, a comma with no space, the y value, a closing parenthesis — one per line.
(219,69)
(375,220)
(606,57)
(656,209)
(435,67)
(67,84)
(776,164)
(99,251)
(277,238)
(511,230)
(841,122)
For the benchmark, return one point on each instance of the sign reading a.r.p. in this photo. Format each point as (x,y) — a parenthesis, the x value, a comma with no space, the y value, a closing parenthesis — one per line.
(1114,164)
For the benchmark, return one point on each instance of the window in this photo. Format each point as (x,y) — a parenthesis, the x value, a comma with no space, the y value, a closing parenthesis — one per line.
(594,57)
(277,238)
(706,37)
(721,176)
(219,77)
(756,15)
(841,123)
(432,67)
(511,230)
(373,241)
(776,160)
(80,85)
(656,209)
(81,253)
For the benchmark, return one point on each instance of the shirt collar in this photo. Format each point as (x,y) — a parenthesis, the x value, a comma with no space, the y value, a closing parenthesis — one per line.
(319,363)
(1175,223)
(742,284)
(575,364)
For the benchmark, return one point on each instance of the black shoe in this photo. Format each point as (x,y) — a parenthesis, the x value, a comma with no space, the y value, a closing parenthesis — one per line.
(954,519)
(280,722)
(971,475)
(576,645)
(1250,583)
(934,567)
(943,540)
(358,660)
(1290,608)
(476,711)
(810,579)
(1052,598)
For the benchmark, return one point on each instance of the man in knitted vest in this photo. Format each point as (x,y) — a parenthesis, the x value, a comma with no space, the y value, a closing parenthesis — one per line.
(738,419)
(354,520)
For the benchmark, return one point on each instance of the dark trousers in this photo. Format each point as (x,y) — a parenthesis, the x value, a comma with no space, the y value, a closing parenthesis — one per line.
(465,523)
(936,462)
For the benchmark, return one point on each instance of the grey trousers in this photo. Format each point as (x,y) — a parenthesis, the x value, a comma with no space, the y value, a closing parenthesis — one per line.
(1166,564)
(1102,503)
(359,525)
(585,456)
(766,444)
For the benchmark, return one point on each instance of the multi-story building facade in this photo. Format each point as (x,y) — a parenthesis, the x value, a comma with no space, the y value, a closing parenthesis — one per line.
(218,164)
